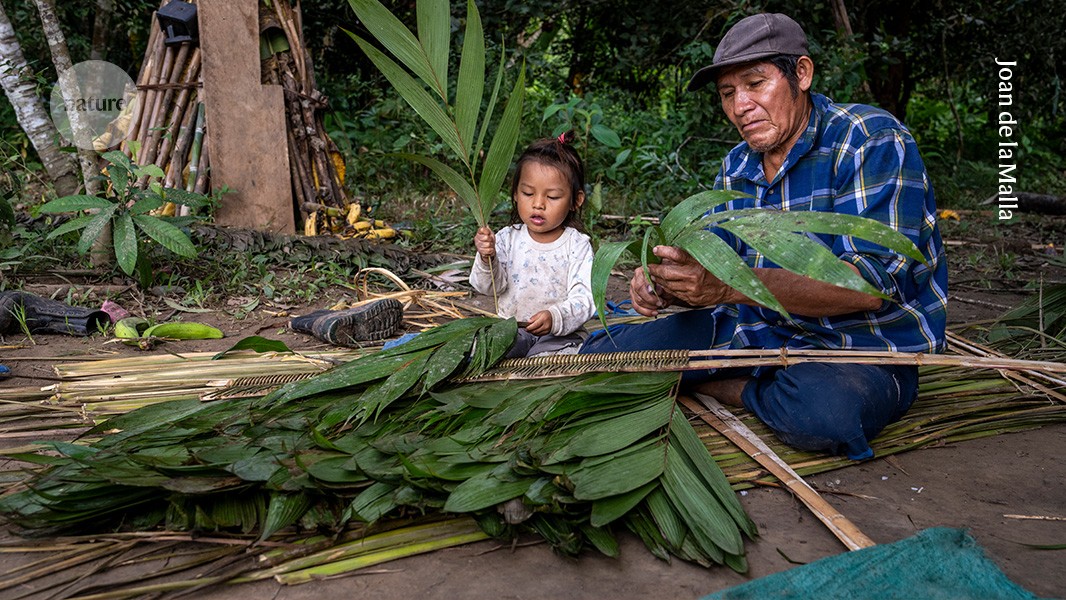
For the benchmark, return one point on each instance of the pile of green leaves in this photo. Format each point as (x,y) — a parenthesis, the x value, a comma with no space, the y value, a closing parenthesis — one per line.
(386,435)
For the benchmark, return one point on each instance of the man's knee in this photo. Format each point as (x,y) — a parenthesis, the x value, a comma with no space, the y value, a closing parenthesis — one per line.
(830,407)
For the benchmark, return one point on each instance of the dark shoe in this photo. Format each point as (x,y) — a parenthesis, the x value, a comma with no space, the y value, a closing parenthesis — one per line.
(374,321)
(44,315)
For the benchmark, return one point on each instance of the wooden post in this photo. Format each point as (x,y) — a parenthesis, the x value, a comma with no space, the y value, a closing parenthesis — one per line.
(246,120)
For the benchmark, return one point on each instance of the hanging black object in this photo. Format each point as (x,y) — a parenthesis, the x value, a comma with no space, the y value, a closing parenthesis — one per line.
(178,22)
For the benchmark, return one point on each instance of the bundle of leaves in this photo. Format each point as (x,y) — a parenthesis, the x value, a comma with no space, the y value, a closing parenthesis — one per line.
(388,435)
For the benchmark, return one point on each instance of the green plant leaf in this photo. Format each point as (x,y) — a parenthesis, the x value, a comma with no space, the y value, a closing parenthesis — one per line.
(483,491)
(147,203)
(491,109)
(74,203)
(647,249)
(125,239)
(454,180)
(618,473)
(71,225)
(284,510)
(838,224)
(723,262)
(434,34)
(606,136)
(119,177)
(149,170)
(256,343)
(502,148)
(691,209)
(95,227)
(606,510)
(167,235)
(394,35)
(470,87)
(602,263)
(415,95)
(799,254)
(118,159)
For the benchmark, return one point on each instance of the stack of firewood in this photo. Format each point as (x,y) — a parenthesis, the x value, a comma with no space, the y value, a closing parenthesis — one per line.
(167,122)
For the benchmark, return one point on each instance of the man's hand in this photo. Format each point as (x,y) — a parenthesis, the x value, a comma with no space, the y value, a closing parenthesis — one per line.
(678,279)
(485,243)
(540,323)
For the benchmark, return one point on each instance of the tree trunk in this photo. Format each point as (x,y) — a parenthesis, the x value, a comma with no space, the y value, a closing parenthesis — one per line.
(100,254)
(101,29)
(30,112)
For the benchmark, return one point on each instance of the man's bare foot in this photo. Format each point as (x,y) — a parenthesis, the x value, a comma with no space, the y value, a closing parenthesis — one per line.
(726,391)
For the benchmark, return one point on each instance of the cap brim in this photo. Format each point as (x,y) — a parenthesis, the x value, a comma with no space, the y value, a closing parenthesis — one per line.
(709,73)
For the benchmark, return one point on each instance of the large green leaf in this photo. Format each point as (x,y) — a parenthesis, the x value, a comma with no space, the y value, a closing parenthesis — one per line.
(838,224)
(483,491)
(167,235)
(502,149)
(723,262)
(394,35)
(180,196)
(415,95)
(284,510)
(491,108)
(691,209)
(614,434)
(454,180)
(74,203)
(704,516)
(434,34)
(125,239)
(602,263)
(607,510)
(470,87)
(71,225)
(95,227)
(800,254)
(618,473)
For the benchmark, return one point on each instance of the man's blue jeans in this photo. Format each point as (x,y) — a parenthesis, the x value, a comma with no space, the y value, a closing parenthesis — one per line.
(836,408)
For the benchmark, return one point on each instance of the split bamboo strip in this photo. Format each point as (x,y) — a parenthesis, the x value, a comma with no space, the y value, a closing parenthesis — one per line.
(958,342)
(157,54)
(731,427)
(143,77)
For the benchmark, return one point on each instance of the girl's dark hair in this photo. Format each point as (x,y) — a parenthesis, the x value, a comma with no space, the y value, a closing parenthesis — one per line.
(559,153)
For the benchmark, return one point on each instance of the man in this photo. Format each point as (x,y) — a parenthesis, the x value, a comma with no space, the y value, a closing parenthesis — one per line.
(803,152)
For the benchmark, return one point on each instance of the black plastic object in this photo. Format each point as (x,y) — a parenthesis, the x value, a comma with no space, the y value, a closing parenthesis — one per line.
(178,22)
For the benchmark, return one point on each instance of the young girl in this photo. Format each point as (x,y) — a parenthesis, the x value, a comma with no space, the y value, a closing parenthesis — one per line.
(542,262)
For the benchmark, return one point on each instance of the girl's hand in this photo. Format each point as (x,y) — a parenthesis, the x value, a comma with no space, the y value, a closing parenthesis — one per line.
(485,243)
(540,323)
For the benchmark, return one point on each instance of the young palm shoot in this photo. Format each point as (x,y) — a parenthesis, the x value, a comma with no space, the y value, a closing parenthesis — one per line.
(422,81)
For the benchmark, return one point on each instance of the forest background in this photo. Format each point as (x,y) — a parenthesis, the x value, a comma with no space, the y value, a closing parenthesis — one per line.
(615,70)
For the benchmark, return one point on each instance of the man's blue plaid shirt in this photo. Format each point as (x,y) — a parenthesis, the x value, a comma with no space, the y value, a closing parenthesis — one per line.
(857,160)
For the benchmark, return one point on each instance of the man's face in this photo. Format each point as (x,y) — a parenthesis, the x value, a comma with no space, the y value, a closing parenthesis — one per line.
(758,101)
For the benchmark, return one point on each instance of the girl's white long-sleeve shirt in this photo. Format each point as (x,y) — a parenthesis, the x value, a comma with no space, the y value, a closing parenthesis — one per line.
(531,277)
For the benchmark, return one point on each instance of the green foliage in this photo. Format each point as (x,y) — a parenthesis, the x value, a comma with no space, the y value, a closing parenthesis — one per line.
(777,235)
(125,207)
(454,119)
(388,435)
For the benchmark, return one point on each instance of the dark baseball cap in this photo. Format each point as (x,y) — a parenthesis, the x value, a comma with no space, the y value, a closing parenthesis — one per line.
(758,36)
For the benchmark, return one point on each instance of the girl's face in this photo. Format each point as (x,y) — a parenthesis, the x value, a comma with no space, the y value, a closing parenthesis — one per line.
(544,201)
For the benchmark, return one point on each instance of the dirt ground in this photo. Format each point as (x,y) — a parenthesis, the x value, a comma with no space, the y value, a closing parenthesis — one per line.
(973,485)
